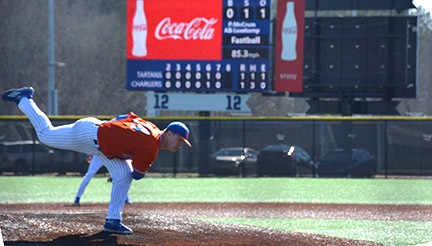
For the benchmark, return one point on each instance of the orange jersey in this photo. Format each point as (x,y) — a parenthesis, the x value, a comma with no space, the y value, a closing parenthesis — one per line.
(131,138)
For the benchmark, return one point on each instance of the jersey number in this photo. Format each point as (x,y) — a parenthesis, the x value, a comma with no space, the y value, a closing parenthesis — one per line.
(139,128)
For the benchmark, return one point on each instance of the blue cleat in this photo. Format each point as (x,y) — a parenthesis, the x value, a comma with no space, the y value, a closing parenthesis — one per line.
(128,201)
(15,95)
(116,226)
(77,201)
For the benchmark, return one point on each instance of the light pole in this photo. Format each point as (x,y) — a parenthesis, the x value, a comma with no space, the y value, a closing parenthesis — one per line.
(52,92)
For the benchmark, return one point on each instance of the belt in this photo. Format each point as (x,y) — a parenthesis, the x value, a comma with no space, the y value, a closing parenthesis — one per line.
(95,141)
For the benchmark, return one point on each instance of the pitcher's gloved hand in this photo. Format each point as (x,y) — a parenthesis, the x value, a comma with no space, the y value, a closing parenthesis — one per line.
(137,176)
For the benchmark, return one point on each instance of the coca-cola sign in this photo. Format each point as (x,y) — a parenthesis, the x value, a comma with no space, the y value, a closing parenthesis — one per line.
(141,27)
(199,28)
(289,46)
(205,45)
(290,30)
(175,29)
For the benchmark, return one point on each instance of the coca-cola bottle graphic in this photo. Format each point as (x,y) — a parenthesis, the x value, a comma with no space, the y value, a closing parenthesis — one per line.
(139,31)
(289,34)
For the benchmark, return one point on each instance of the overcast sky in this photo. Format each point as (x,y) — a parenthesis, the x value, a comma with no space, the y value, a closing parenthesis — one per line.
(426,4)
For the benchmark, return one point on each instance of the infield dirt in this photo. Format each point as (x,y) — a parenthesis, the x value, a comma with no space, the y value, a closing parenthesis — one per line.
(173,223)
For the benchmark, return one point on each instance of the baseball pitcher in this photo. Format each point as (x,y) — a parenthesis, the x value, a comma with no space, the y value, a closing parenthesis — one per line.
(112,142)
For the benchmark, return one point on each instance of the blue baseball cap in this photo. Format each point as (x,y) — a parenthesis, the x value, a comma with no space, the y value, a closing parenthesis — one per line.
(180,129)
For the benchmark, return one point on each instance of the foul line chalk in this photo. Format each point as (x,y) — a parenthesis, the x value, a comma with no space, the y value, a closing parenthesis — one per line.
(1,239)
(425,244)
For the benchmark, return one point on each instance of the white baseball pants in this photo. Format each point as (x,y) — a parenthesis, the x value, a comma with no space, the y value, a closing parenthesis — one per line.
(94,166)
(80,136)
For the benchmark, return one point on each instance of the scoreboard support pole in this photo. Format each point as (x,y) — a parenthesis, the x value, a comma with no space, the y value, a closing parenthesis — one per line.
(204,146)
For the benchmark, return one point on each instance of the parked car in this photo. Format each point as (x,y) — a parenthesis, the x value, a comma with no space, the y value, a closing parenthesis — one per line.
(347,163)
(230,161)
(283,160)
(27,156)
(71,161)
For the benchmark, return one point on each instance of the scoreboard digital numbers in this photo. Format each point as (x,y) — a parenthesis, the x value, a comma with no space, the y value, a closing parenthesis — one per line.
(205,45)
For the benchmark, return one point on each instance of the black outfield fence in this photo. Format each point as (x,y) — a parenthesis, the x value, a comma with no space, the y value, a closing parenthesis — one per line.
(401,145)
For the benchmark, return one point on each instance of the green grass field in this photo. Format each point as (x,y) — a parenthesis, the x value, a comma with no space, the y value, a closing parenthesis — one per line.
(305,190)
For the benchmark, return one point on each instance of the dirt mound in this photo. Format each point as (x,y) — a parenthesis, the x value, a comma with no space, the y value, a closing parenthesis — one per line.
(174,223)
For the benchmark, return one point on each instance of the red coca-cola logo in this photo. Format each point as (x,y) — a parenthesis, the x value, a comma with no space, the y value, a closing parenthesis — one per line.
(177,30)
(290,30)
(199,28)
(142,27)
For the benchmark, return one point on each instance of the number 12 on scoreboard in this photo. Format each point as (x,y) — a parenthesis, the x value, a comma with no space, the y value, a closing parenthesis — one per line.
(208,102)
(233,102)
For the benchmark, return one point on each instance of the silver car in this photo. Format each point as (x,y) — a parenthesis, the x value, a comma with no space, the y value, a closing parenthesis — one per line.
(233,161)
(25,157)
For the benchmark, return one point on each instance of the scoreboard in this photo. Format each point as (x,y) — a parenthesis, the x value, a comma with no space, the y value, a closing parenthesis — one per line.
(205,45)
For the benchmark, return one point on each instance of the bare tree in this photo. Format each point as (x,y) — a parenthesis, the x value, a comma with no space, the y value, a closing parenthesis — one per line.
(423,102)
(23,47)
(90,37)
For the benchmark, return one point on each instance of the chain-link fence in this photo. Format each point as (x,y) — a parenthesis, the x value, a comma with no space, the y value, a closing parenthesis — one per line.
(399,146)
